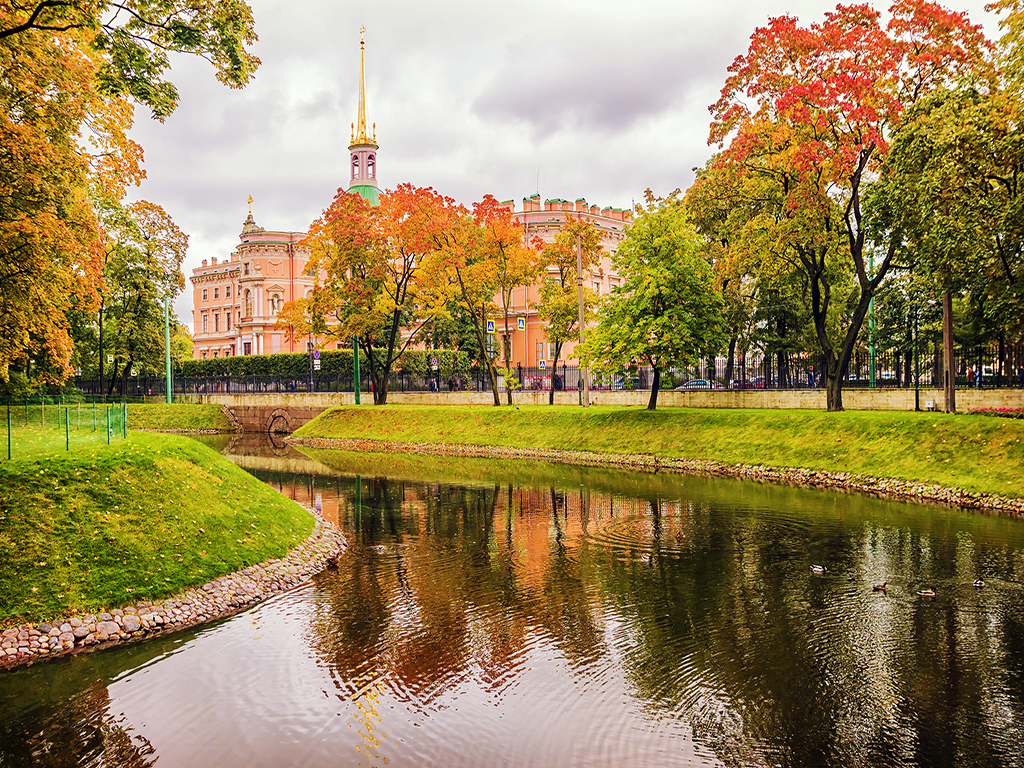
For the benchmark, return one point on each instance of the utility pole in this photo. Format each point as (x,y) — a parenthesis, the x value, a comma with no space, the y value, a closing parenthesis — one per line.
(167,348)
(947,352)
(584,374)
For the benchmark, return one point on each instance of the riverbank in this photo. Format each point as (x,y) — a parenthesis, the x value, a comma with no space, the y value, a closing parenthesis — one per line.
(132,524)
(968,460)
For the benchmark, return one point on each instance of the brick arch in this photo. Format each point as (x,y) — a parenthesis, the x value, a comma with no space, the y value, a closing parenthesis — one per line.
(278,421)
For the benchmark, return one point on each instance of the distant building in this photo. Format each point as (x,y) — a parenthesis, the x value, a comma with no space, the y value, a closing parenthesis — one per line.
(531,345)
(236,301)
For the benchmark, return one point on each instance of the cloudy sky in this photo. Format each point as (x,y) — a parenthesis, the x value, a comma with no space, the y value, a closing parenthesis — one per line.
(571,98)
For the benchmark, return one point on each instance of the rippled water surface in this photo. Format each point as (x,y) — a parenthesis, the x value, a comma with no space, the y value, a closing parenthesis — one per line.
(520,614)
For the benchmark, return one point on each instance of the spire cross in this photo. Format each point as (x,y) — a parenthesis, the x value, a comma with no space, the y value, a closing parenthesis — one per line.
(250,205)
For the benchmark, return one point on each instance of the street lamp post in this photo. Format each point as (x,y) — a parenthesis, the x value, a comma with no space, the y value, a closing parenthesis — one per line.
(917,361)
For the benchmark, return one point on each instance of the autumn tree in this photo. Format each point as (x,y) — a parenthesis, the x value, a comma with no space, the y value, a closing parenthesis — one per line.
(473,248)
(379,276)
(809,112)
(517,264)
(131,40)
(559,306)
(70,73)
(667,309)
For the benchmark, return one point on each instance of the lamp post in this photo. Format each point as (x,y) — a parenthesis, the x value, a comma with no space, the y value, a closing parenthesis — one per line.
(917,361)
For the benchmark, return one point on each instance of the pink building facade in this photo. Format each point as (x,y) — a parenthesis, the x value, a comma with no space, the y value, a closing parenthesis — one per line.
(236,301)
(530,345)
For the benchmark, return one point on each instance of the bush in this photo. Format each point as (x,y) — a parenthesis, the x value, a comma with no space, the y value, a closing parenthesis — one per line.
(337,361)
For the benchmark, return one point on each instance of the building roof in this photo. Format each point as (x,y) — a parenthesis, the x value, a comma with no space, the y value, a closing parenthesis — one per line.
(365,191)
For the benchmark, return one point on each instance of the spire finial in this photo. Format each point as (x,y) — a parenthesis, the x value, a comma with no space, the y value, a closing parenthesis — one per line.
(250,204)
(361,136)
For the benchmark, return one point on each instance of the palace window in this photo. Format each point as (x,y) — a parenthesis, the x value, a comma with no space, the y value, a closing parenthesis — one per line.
(245,268)
(227,317)
(206,323)
(204,294)
(216,324)
(227,291)
(247,347)
(204,354)
(355,166)
(371,167)
(541,350)
(216,293)
(248,304)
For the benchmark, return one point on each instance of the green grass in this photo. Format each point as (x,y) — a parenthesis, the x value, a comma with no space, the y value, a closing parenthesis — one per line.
(976,453)
(177,416)
(139,520)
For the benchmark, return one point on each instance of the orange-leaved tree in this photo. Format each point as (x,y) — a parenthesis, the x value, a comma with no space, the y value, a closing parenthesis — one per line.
(810,110)
(559,304)
(377,276)
(487,259)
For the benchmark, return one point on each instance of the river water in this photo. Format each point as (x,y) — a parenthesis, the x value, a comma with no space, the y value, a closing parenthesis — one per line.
(491,613)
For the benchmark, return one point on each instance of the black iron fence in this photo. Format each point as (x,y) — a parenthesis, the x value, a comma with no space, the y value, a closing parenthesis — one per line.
(984,366)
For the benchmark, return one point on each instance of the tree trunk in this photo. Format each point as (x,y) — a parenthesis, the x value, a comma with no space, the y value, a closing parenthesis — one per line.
(655,386)
(101,346)
(554,372)
(730,364)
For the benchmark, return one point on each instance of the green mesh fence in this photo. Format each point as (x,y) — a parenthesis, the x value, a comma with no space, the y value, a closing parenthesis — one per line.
(38,427)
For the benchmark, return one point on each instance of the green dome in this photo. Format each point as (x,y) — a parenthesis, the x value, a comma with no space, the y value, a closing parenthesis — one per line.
(365,191)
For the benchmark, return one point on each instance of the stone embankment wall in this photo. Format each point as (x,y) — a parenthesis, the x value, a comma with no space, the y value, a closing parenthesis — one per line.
(258,413)
(221,597)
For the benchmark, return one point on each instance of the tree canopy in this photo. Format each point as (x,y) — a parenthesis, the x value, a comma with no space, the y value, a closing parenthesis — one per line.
(667,309)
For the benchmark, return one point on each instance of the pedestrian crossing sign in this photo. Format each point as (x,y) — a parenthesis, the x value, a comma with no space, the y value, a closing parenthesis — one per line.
(522,323)
(490,326)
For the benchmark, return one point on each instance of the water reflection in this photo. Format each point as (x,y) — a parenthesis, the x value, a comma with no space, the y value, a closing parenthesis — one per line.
(490,613)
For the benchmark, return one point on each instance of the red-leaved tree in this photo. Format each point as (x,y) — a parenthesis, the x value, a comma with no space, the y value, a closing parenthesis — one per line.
(807,114)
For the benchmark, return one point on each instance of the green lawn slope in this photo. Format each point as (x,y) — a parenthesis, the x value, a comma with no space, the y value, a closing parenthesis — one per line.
(976,453)
(141,519)
(191,417)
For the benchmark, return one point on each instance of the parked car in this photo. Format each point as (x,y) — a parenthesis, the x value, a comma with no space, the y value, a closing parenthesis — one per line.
(697,384)
(632,383)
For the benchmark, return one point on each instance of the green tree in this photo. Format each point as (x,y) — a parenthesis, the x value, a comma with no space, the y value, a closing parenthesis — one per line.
(667,309)
(144,250)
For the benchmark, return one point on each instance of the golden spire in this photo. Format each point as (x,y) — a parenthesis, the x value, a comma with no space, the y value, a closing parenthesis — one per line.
(250,205)
(361,136)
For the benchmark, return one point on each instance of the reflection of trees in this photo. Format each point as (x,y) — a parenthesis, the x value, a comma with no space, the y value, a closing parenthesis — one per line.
(720,622)
(76,732)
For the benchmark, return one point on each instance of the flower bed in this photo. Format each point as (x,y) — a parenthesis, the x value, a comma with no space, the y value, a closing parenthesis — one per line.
(1005,413)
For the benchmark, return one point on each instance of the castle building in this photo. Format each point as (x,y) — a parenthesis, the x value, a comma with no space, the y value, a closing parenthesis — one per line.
(236,302)
(530,345)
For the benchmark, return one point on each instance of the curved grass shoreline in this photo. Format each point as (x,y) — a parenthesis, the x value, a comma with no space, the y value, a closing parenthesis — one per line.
(131,528)
(969,461)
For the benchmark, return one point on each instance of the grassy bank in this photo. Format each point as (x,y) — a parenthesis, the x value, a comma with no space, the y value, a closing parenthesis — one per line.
(177,416)
(976,453)
(141,519)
